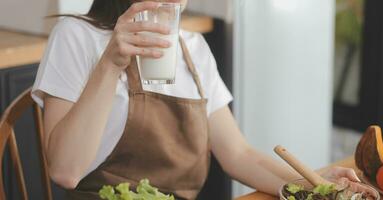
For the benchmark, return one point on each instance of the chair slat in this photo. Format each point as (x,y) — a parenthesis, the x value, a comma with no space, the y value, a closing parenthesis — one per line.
(14,151)
(43,160)
(18,107)
(5,131)
(7,135)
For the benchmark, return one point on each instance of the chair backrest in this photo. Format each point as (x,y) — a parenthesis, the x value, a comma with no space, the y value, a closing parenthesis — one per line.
(7,136)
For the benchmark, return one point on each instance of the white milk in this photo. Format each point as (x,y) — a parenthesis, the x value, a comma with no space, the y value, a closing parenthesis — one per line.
(163,68)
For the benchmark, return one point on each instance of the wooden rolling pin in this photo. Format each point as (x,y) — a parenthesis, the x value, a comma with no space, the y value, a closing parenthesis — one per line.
(314,178)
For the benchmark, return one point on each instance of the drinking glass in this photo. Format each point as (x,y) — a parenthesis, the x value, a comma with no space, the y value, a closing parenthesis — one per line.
(161,70)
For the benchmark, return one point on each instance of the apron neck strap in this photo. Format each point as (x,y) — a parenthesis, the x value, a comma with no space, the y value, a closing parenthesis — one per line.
(134,80)
(133,74)
(191,67)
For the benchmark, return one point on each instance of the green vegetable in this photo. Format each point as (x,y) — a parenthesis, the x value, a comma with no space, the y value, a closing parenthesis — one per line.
(291,198)
(144,192)
(310,197)
(293,188)
(325,189)
(107,192)
(341,196)
(125,194)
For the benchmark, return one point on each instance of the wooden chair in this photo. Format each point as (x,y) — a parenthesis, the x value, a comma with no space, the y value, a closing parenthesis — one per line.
(7,136)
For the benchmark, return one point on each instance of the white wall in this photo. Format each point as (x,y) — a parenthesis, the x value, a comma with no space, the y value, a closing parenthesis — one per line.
(283,76)
(221,9)
(29,15)
(75,6)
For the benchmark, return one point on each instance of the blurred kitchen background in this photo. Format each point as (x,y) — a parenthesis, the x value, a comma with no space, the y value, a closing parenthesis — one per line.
(307,74)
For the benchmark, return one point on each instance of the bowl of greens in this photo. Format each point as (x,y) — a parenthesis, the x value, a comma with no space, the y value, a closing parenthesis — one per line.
(301,190)
(144,191)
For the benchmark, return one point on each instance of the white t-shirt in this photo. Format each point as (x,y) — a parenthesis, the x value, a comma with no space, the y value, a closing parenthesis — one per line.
(75,47)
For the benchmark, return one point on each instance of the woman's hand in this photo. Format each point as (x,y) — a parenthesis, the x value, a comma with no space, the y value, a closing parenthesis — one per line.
(126,42)
(346,177)
(336,173)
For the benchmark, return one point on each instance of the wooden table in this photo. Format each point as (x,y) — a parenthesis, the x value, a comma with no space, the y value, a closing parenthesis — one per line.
(348,162)
(17,49)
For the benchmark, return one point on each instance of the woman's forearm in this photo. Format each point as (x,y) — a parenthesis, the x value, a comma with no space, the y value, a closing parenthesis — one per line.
(261,171)
(249,166)
(240,160)
(74,141)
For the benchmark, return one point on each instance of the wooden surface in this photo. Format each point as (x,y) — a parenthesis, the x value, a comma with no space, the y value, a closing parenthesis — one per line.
(348,162)
(197,23)
(17,49)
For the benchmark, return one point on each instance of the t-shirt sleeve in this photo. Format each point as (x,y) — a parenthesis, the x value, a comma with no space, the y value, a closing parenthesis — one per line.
(65,66)
(217,93)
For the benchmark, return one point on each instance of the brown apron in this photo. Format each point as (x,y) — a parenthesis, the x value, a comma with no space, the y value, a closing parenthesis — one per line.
(165,140)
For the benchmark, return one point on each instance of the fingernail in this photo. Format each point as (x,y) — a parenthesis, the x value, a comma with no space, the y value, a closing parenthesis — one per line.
(167,44)
(157,54)
(158,4)
(167,29)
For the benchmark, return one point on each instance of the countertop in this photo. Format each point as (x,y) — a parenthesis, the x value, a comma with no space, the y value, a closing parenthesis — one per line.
(348,162)
(17,49)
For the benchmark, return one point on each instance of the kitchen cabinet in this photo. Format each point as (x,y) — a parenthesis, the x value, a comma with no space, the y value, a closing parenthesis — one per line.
(19,57)
(13,81)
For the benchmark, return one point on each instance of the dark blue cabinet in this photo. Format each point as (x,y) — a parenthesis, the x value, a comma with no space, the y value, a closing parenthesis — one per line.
(13,81)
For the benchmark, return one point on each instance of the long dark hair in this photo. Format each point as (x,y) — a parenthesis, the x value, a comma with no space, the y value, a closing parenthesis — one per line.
(103,14)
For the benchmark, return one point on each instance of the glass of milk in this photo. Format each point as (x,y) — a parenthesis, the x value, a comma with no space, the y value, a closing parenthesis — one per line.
(161,70)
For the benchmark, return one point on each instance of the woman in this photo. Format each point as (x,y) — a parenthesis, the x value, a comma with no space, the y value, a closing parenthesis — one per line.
(104,127)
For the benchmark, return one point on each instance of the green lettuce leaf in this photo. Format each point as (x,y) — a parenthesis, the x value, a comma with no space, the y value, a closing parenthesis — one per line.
(107,192)
(325,189)
(123,188)
(293,188)
(291,198)
(144,192)
(310,197)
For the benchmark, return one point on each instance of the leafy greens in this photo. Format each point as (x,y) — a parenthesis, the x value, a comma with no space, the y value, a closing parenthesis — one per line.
(122,192)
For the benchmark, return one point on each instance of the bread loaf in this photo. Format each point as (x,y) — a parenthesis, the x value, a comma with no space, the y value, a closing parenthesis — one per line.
(369,152)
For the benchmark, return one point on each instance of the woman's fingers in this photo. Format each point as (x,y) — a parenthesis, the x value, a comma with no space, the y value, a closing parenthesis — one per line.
(129,44)
(347,173)
(135,8)
(145,52)
(129,50)
(135,27)
(173,1)
(346,177)
(350,174)
(142,40)
(357,187)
